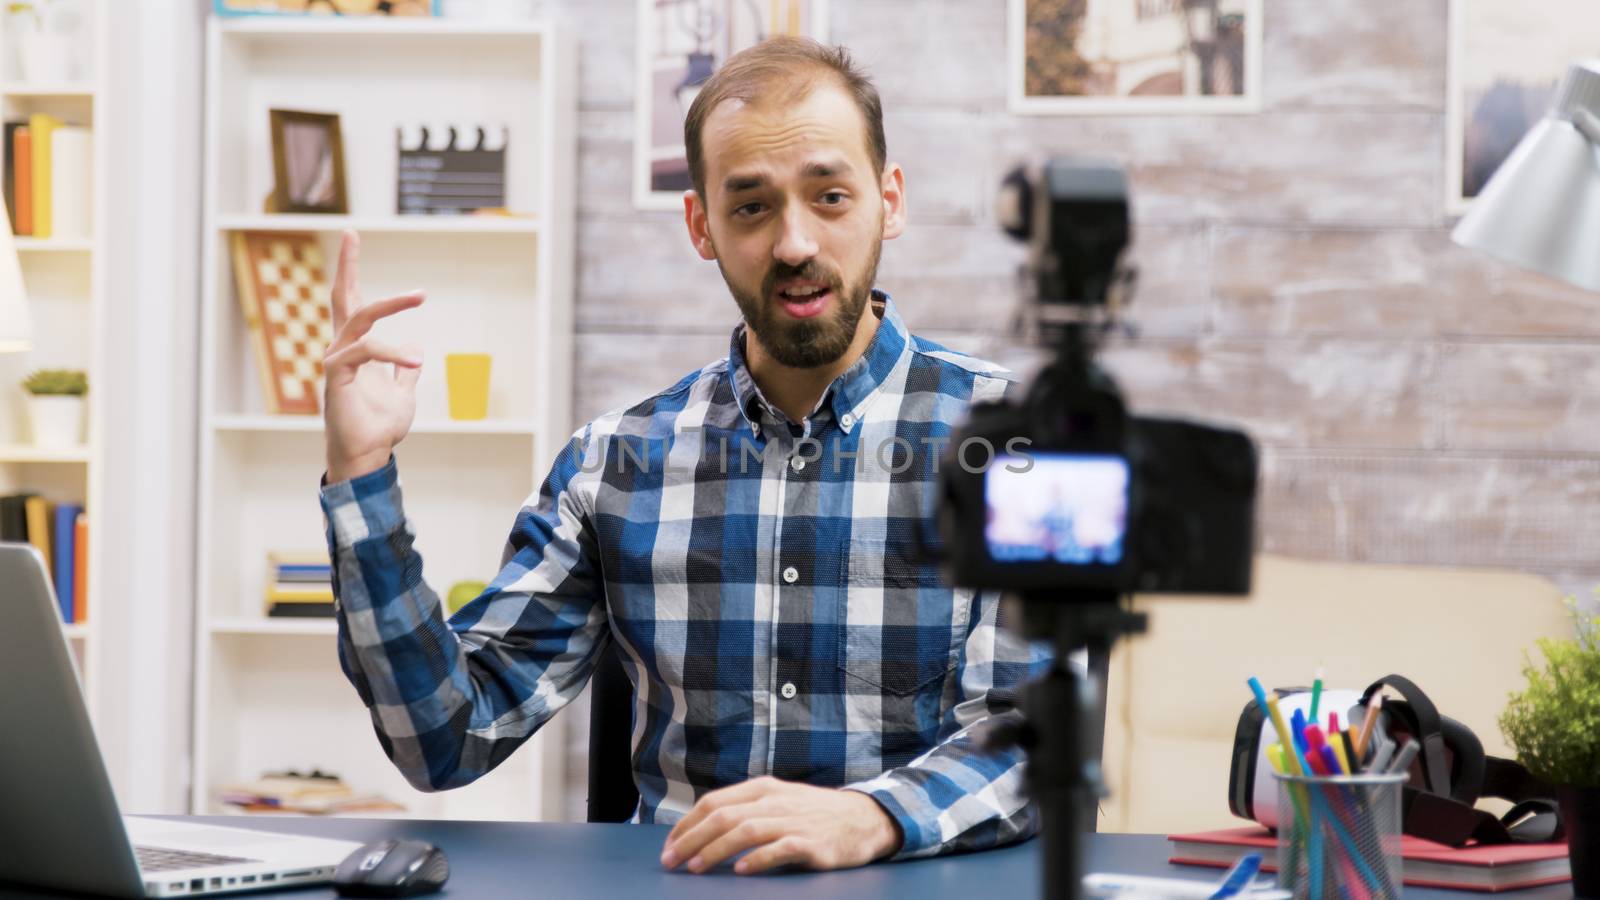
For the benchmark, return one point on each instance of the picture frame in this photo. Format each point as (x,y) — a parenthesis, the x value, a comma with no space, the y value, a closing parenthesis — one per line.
(1138,57)
(398,8)
(307,163)
(1505,63)
(680,44)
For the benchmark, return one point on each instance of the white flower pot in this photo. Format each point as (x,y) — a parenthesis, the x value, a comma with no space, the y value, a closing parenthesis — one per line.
(47,58)
(57,421)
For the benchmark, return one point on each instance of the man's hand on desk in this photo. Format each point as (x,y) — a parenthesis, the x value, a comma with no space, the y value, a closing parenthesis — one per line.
(781,823)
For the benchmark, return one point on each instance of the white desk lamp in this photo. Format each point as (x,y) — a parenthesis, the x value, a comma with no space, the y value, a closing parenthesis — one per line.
(1541,209)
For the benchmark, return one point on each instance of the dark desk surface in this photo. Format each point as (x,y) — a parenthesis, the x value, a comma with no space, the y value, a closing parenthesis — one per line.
(544,861)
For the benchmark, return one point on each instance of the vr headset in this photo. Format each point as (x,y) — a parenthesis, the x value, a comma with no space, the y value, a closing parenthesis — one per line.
(1445,782)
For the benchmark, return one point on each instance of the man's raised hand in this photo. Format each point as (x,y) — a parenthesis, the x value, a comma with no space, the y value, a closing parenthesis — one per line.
(368,404)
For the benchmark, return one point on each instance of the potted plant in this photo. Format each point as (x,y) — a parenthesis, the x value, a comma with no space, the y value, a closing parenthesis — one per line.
(1554,726)
(55,406)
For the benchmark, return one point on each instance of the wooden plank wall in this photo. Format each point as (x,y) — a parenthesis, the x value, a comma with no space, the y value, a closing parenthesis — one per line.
(1416,403)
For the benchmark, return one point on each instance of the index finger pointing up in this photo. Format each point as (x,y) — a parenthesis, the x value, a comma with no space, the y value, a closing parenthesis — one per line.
(345,297)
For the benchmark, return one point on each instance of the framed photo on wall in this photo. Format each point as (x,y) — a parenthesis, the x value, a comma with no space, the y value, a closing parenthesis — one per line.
(1084,57)
(1506,61)
(681,43)
(307,163)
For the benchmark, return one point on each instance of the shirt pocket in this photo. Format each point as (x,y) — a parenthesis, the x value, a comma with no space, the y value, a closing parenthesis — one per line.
(900,626)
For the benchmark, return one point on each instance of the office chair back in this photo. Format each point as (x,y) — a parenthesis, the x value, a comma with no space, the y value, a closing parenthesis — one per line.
(612,793)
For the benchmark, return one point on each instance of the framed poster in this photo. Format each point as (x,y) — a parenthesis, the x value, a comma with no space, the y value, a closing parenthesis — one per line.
(1506,61)
(681,43)
(1134,56)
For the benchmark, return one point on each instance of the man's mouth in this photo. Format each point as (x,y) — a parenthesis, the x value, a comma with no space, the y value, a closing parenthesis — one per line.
(803,299)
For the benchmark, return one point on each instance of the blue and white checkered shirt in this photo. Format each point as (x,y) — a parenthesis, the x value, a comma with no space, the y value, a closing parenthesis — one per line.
(761,579)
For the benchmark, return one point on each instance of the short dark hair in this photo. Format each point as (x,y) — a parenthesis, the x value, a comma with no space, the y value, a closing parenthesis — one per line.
(783,61)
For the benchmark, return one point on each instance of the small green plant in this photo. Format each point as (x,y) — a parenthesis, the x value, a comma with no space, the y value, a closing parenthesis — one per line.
(1554,725)
(56,383)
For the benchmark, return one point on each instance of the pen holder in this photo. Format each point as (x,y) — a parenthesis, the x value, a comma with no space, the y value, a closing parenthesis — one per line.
(1339,836)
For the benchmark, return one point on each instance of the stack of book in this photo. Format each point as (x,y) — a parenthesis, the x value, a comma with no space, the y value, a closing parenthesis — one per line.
(291,792)
(1475,867)
(299,585)
(46,177)
(60,532)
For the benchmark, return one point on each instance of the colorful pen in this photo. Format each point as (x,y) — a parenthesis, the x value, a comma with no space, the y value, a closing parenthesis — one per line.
(1374,706)
(1402,759)
(1316,697)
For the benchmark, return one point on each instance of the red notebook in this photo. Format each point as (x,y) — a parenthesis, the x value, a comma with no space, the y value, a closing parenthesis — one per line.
(1487,869)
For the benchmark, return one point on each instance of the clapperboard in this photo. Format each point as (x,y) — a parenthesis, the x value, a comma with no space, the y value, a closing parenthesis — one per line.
(450,177)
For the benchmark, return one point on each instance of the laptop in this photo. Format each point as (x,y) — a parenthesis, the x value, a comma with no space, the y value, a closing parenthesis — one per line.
(59,823)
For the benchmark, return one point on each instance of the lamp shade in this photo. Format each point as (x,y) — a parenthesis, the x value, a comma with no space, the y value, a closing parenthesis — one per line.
(1541,209)
(16,333)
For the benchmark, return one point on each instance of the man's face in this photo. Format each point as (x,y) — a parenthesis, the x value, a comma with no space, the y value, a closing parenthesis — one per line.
(795,217)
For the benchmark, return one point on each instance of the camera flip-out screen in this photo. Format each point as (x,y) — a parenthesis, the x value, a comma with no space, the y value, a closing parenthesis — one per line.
(1061,508)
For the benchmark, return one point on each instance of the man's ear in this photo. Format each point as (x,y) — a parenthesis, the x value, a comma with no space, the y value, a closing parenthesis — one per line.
(893,187)
(694,216)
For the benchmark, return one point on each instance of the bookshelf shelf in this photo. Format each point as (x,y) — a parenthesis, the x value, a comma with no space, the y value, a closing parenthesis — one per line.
(54,91)
(313,424)
(53,245)
(498,285)
(264,626)
(469,225)
(327,26)
(25,453)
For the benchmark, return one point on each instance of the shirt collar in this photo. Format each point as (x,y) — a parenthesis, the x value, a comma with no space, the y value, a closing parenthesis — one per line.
(849,394)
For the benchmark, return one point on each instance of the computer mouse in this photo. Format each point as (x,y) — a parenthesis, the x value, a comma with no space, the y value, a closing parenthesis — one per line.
(392,868)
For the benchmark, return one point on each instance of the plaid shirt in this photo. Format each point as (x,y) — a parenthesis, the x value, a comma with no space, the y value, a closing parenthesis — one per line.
(761,581)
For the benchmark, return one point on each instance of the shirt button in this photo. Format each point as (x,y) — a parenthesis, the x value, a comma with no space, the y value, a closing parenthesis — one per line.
(791,575)
(797,464)
(788,690)
(847,421)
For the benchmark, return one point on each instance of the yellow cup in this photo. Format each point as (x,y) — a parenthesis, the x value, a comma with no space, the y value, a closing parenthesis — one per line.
(467,376)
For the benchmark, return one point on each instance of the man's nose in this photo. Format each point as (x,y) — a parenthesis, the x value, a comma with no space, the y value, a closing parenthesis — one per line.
(795,244)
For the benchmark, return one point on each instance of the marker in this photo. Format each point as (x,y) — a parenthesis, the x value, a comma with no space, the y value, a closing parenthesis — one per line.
(1352,760)
(1374,706)
(1402,760)
(1270,706)
(1381,757)
(1316,697)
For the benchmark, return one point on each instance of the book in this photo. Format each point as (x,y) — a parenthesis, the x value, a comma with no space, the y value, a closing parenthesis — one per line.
(65,522)
(37,510)
(22,172)
(8,174)
(300,610)
(14,518)
(310,794)
(41,128)
(80,578)
(299,593)
(70,187)
(1483,868)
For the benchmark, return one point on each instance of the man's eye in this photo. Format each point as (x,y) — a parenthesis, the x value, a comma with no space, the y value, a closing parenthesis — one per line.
(833,198)
(748,209)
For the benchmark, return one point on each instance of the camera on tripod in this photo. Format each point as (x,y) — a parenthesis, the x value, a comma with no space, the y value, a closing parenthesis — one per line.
(1063,499)
(1062,488)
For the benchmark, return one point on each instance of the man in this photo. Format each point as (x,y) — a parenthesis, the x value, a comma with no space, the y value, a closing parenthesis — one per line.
(806,690)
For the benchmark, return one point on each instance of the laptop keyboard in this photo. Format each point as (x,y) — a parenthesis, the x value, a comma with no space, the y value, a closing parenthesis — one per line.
(156,859)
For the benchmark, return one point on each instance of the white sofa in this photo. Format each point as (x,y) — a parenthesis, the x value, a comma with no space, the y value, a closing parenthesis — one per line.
(1175,694)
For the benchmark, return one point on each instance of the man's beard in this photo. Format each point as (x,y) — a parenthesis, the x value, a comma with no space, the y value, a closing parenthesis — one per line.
(806,343)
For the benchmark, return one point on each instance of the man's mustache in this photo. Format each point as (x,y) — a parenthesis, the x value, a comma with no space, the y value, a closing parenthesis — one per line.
(811,270)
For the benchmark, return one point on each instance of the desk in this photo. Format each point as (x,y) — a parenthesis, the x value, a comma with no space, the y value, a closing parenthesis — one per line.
(552,861)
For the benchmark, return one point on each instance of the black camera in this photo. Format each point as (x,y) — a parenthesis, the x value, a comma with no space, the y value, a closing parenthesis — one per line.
(1061,488)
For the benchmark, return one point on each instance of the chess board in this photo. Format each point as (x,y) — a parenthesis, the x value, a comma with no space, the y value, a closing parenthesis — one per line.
(283,290)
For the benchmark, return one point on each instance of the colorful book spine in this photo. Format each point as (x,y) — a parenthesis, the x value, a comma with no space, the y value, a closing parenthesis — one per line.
(71,212)
(42,126)
(22,172)
(80,580)
(66,520)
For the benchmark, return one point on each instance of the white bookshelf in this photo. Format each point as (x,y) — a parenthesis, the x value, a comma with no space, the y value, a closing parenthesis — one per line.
(269,693)
(64,279)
